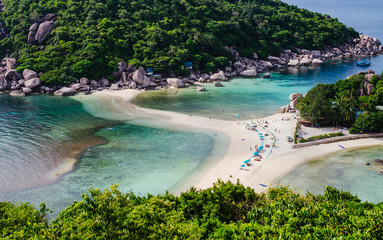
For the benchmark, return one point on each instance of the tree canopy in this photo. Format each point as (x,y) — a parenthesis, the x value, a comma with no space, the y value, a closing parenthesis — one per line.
(224,211)
(353,102)
(90,37)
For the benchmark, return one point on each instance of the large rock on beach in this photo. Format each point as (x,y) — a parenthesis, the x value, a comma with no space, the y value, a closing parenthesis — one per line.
(139,76)
(305,61)
(13,75)
(293,103)
(43,30)
(239,67)
(3,82)
(93,83)
(32,83)
(249,73)
(266,64)
(84,81)
(294,63)
(218,76)
(114,87)
(29,74)
(17,93)
(317,61)
(103,82)
(294,96)
(175,82)
(76,86)
(27,90)
(65,91)
(378,162)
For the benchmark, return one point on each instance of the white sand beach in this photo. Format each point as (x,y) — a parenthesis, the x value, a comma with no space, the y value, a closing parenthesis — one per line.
(276,161)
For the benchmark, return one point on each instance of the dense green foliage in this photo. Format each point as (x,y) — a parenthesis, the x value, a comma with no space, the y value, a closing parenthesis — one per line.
(225,211)
(319,137)
(90,37)
(342,104)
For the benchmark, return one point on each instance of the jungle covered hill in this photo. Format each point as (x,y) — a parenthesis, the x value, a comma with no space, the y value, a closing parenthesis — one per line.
(89,38)
(224,211)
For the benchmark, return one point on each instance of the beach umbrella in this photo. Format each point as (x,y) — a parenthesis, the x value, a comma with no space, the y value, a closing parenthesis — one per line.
(260,148)
(242,165)
(255,153)
(246,161)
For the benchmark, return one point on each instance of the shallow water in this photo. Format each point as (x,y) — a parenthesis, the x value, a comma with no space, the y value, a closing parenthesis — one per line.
(140,159)
(344,170)
(39,133)
(250,97)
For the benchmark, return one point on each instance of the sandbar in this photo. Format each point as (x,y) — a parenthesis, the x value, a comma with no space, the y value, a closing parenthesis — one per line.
(277,160)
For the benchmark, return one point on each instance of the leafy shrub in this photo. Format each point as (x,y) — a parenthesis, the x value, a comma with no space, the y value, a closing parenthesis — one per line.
(319,137)
(354,130)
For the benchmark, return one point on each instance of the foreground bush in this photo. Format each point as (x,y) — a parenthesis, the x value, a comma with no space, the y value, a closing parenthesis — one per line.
(225,211)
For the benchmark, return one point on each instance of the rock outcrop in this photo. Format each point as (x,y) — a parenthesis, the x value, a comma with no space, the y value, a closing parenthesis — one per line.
(12,75)
(294,98)
(3,82)
(29,74)
(175,82)
(65,91)
(43,30)
(32,83)
(249,73)
(140,77)
(220,76)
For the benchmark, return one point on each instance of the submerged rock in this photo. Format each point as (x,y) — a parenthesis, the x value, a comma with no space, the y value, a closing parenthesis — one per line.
(267,75)
(378,162)
(218,84)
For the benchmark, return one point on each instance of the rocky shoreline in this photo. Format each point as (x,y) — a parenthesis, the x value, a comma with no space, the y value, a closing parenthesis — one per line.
(130,77)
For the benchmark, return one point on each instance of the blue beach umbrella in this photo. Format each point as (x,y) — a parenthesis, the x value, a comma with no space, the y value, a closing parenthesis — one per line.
(260,148)
(242,165)
(256,153)
(246,161)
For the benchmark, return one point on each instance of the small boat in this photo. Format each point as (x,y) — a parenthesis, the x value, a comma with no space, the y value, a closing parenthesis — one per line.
(363,63)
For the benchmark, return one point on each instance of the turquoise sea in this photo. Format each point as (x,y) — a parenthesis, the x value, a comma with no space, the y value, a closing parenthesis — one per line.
(38,133)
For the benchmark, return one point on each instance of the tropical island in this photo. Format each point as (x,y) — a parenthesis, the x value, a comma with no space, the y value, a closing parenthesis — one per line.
(88,45)
(54,44)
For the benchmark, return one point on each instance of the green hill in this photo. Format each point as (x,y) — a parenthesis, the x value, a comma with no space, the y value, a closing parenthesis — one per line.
(90,37)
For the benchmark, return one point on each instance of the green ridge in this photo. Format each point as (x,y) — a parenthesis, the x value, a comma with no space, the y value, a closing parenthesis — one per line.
(90,37)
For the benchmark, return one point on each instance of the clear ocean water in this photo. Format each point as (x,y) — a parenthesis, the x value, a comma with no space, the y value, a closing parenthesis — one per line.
(38,133)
